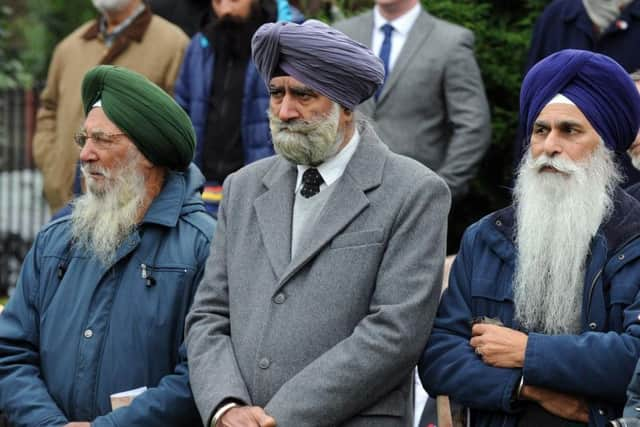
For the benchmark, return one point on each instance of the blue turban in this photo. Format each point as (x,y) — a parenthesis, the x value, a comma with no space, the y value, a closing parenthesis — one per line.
(599,87)
(319,56)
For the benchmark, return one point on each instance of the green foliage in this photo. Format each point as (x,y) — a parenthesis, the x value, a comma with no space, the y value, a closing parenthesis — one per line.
(12,71)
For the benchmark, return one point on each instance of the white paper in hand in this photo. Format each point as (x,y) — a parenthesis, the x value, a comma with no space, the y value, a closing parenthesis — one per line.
(125,398)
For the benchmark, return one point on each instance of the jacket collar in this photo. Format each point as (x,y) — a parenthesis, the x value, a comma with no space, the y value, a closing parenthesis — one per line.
(622,226)
(133,33)
(180,194)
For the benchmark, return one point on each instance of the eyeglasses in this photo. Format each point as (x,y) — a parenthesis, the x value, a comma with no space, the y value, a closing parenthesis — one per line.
(100,139)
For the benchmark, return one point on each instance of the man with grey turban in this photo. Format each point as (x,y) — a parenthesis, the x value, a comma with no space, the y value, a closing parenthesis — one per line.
(98,313)
(328,257)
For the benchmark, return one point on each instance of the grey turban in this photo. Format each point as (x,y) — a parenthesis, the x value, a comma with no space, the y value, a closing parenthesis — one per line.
(319,56)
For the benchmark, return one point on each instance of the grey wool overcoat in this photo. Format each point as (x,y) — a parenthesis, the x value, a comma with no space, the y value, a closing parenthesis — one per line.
(330,337)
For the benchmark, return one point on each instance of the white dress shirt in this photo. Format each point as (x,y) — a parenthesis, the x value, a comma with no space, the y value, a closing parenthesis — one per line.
(401,27)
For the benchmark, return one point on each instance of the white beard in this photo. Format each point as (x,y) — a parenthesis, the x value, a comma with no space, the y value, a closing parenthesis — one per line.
(556,218)
(110,5)
(635,160)
(105,215)
(307,142)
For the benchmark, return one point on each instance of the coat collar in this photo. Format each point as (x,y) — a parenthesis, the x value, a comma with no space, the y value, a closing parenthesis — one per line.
(274,208)
(133,33)
(180,194)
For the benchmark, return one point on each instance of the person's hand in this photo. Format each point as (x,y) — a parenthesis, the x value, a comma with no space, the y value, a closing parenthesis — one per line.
(246,416)
(78,424)
(499,346)
(560,404)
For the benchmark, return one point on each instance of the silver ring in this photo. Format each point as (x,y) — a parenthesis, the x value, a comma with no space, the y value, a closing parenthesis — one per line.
(478,351)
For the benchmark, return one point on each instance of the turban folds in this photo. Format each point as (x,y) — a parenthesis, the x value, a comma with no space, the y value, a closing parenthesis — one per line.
(319,56)
(155,123)
(599,87)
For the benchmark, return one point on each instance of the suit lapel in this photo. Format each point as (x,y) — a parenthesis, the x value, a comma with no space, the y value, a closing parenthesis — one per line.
(415,39)
(347,201)
(274,210)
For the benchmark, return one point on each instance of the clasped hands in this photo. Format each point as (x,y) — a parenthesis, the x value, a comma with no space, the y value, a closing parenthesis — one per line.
(503,347)
(246,416)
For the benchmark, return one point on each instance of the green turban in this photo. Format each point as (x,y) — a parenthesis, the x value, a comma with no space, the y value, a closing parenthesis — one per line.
(156,124)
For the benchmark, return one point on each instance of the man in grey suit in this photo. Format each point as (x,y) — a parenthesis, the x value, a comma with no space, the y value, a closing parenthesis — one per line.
(432,106)
(322,286)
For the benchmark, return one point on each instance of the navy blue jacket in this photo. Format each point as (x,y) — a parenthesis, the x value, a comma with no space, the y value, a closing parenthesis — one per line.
(596,364)
(565,24)
(193,90)
(76,331)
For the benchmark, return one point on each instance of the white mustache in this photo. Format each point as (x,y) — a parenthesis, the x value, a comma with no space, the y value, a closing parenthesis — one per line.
(88,169)
(558,163)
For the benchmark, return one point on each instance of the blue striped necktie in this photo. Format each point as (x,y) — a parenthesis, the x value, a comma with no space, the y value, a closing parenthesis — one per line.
(385,53)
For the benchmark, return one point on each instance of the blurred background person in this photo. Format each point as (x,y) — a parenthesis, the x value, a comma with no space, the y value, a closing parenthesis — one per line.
(127,34)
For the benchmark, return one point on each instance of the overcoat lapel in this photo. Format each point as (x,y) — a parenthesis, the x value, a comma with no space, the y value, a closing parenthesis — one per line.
(274,210)
(347,201)
(416,38)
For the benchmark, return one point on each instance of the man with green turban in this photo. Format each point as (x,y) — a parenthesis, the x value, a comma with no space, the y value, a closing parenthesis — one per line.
(93,334)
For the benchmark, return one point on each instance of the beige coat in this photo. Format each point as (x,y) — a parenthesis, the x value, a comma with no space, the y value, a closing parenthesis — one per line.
(151,46)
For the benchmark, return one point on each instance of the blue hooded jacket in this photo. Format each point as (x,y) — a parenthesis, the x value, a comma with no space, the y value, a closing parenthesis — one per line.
(76,331)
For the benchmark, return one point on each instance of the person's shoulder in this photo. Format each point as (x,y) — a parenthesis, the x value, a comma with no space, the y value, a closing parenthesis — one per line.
(73,39)
(354,21)
(454,31)
(160,27)
(562,9)
(257,170)
(54,237)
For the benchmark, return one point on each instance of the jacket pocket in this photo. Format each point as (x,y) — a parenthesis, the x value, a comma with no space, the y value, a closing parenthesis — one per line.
(358,238)
(493,299)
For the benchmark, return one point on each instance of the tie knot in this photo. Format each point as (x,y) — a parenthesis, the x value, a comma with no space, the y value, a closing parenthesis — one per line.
(387,29)
(311,182)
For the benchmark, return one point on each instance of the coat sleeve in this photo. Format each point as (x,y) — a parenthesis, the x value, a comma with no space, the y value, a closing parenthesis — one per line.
(467,113)
(601,364)
(208,340)
(167,405)
(449,365)
(386,344)
(24,397)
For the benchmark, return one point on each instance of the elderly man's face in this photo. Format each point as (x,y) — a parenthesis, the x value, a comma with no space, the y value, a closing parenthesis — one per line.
(293,100)
(562,130)
(105,150)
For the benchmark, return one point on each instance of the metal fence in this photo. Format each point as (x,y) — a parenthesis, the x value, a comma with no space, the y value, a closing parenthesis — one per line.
(23,210)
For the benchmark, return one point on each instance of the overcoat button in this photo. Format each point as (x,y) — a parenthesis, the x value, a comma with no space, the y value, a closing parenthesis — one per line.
(264,363)
(88,333)
(593,326)
(280,298)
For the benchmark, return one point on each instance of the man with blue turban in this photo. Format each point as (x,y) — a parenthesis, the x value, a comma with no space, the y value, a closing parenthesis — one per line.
(327,264)
(540,325)
(93,333)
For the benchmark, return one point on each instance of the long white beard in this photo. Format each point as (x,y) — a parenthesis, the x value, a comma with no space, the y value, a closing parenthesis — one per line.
(103,217)
(307,142)
(556,218)
(110,5)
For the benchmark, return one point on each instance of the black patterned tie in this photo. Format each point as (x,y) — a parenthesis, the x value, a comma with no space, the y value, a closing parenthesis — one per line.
(311,182)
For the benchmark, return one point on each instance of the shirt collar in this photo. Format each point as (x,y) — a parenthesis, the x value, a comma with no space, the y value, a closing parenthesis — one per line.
(110,37)
(334,167)
(401,24)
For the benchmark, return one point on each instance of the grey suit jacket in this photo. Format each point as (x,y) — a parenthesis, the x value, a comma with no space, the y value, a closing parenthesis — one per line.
(433,107)
(330,337)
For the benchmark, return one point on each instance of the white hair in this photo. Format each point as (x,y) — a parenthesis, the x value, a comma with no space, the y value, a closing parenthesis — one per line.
(105,215)
(557,215)
(308,142)
(105,6)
